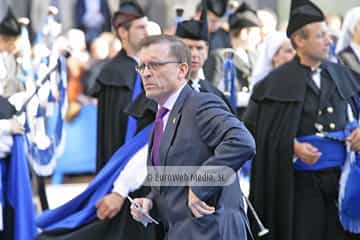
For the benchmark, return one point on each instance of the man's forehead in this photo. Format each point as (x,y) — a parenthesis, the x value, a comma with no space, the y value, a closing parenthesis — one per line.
(154,51)
(139,21)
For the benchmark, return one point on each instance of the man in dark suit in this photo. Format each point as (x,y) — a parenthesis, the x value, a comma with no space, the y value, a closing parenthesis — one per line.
(194,129)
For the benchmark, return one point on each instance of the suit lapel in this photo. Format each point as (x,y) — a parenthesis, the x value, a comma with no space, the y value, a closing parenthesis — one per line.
(313,86)
(172,124)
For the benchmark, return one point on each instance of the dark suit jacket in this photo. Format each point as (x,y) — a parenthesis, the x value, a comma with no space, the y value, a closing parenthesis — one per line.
(201,131)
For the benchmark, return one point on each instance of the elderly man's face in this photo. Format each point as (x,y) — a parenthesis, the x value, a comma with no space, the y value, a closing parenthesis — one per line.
(162,74)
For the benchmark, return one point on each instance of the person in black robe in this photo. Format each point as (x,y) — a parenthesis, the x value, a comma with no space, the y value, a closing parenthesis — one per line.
(303,97)
(115,84)
(195,35)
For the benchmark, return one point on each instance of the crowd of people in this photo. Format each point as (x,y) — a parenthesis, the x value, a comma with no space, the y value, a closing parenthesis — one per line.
(223,89)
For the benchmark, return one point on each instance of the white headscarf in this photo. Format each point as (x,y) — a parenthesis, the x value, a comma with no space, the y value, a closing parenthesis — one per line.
(263,65)
(352,17)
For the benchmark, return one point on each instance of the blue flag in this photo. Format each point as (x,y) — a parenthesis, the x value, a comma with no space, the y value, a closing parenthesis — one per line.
(229,80)
(18,192)
(82,210)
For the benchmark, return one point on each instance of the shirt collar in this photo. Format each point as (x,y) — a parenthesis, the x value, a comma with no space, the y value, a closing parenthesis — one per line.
(170,102)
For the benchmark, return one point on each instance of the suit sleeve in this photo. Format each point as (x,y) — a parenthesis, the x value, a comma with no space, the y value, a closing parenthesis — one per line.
(232,143)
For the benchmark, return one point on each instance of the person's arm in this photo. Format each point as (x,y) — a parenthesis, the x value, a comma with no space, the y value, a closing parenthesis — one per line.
(232,143)
(8,127)
(130,179)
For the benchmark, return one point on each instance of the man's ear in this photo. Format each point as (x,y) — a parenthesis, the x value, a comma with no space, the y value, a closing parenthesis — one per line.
(123,33)
(183,70)
(299,41)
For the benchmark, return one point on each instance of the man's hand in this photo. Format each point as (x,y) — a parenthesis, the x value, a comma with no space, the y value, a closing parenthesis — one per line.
(354,140)
(109,206)
(141,206)
(306,152)
(198,207)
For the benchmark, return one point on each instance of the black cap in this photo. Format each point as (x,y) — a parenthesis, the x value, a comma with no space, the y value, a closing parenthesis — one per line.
(303,12)
(192,29)
(244,16)
(218,7)
(127,12)
(9,25)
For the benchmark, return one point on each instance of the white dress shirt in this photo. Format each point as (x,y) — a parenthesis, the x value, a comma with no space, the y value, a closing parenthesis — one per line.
(316,76)
(169,104)
(6,139)
(135,171)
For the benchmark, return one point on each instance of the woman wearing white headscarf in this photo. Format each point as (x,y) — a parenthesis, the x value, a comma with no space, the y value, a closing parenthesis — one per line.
(276,50)
(348,47)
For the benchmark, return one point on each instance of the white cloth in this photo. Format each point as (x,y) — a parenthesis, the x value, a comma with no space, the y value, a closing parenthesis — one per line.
(196,82)
(316,76)
(133,175)
(270,46)
(352,17)
(6,139)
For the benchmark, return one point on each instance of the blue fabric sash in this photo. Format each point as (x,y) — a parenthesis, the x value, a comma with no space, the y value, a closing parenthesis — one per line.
(229,81)
(18,192)
(333,152)
(81,210)
(132,122)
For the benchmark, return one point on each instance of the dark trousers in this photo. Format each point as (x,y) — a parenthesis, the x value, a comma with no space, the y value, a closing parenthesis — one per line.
(316,211)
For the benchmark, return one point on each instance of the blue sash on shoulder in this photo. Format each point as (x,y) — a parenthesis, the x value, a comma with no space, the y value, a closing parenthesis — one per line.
(333,152)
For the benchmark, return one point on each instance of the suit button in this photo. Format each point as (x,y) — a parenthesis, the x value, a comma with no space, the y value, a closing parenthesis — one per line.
(320,113)
(319,127)
(332,126)
(330,109)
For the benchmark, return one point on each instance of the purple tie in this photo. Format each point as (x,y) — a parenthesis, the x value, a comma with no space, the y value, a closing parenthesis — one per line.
(158,132)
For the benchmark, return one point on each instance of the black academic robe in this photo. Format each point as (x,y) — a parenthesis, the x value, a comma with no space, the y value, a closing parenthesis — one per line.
(348,58)
(273,116)
(113,90)
(122,226)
